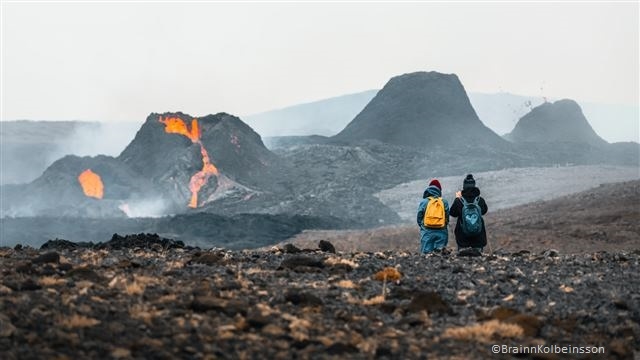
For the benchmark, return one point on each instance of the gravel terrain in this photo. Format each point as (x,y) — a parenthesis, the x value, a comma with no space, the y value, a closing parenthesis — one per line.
(157,299)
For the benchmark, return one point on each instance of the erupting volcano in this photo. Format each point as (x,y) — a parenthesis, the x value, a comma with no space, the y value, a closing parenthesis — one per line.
(175,125)
(91,184)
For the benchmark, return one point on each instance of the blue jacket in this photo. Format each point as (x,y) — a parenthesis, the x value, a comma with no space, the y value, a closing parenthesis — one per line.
(431,191)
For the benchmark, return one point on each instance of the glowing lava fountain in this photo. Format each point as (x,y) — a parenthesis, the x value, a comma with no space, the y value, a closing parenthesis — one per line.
(91,184)
(175,125)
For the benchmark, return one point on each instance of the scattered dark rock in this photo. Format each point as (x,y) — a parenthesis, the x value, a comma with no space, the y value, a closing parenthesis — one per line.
(208,258)
(84,273)
(620,304)
(65,266)
(22,285)
(228,307)
(61,244)
(291,249)
(522,253)
(340,268)
(257,320)
(302,298)
(6,327)
(50,257)
(25,268)
(18,247)
(621,349)
(383,351)
(401,293)
(412,320)
(297,261)
(145,241)
(47,270)
(430,301)
(341,349)
(326,246)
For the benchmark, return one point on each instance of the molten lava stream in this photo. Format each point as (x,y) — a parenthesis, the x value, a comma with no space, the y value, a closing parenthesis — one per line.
(175,125)
(199,179)
(91,184)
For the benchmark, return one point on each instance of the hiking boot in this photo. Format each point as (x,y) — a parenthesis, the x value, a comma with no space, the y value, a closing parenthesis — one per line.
(469,251)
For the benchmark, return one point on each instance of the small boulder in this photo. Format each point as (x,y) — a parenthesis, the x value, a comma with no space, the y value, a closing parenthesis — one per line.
(291,249)
(302,298)
(326,246)
(430,301)
(301,261)
(50,257)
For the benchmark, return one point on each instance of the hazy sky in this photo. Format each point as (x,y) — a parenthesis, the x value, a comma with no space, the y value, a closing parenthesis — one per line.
(119,62)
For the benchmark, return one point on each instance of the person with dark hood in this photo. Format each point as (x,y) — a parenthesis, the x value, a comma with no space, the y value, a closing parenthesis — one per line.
(433,218)
(469,207)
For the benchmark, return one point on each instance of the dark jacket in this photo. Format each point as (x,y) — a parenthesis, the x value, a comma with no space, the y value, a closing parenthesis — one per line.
(463,240)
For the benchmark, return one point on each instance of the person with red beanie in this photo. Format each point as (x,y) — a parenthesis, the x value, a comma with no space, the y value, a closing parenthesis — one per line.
(433,219)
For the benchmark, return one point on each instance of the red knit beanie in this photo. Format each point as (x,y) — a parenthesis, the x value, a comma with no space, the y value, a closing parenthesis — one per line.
(435,183)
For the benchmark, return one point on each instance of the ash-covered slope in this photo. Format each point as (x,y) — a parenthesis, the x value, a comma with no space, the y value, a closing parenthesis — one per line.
(602,218)
(420,109)
(558,122)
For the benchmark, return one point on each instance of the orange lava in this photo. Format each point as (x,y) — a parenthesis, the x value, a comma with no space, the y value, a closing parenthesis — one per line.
(91,184)
(174,125)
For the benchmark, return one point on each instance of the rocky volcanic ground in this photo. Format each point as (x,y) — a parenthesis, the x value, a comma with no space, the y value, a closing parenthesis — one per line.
(147,297)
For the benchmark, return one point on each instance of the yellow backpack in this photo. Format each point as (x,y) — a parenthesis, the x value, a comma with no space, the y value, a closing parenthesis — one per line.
(434,214)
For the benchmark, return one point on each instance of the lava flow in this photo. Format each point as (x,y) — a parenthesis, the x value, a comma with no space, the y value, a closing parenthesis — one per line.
(175,125)
(91,184)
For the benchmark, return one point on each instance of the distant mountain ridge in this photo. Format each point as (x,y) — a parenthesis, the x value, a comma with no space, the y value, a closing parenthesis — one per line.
(498,111)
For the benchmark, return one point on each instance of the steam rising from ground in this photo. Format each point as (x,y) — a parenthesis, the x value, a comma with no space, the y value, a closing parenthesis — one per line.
(98,139)
(145,207)
(29,147)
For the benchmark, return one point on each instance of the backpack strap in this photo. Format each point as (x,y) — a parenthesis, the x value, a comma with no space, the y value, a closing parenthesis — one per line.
(464,202)
(476,201)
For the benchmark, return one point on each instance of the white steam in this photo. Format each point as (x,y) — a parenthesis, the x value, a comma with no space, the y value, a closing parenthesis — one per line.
(96,139)
(145,207)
